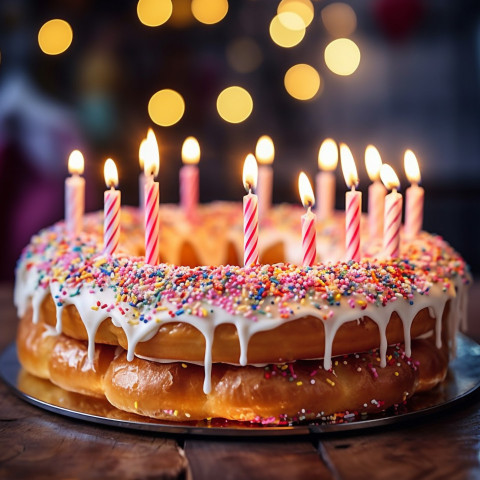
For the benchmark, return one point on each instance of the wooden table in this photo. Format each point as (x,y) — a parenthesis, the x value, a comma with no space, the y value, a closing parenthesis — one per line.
(36,444)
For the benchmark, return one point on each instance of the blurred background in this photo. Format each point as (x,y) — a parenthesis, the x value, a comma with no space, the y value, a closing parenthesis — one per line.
(95,75)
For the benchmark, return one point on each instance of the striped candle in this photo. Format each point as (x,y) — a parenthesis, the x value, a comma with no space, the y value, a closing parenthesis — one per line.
(189,177)
(111,222)
(250,212)
(376,193)
(75,194)
(152,196)
(414,197)
(309,232)
(353,205)
(393,213)
(325,180)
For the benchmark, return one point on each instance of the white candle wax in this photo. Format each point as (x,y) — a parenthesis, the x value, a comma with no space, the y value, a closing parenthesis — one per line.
(376,204)
(325,186)
(414,198)
(74,203)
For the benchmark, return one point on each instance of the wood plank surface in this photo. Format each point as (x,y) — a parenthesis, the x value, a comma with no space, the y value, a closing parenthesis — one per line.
(282,459)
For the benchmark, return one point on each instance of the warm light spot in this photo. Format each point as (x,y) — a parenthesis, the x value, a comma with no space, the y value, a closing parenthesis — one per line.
(55,36)
(190,151)
(250,172)
(339,19)
(373,162)
(412,169)
(153,13)
(328,155)
(348,166)
(389,177)
(244,55)
(76,163)
(302,81)
(166,107)
(110,173)
(289,31)
(234,104)
(306,191)
(152,155)
(303,8)
(209,11)
(265,150)
(342,56)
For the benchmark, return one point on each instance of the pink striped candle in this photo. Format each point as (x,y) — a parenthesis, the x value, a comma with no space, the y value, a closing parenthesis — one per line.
(264,153)
(309,232)
(325,180)
(393,213)
(152,206)
(75,194)
(414,197)
(250,212)
(353,205)
(111,202)
(189,177)
(376,193)
(141,177)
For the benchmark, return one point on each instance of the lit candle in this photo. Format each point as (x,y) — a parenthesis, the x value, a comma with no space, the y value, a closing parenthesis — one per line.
(141,176)
(265,153)
(376,192)
(250,211)
(353,204)
(309,233)
(189,177)
(325,180)
(393,212)
(111,202)
(414,196)
(75,193)
(152,196)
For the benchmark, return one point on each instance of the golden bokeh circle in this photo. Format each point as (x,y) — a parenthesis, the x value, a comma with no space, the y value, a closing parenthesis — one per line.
(342,56)
(209,11)
(153,13)
(302,81)
(55,36)
(234,104)
(166,107)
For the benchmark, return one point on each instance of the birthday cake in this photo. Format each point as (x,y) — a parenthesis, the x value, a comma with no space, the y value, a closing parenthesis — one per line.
(198,337)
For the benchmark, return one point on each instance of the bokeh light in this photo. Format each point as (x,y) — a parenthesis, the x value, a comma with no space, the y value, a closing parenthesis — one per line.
(302,81)
(55,36)
(342,56)
(244,55)
(166,107)
(287,29)
(339,19)
(153,13)
(234,104)
(209,11)
(303,8)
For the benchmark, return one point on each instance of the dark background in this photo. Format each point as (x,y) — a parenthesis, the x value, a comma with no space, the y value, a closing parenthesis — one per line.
(417,86)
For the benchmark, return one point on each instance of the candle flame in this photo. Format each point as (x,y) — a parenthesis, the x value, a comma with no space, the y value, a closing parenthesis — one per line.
(152,156)
(411,167)
(142,153)
(389,177)
(306,191)
(110,172)
(328,155)
(76,163)
(348,166)
(373,162)
(265,151)
(250,172)
(190,151)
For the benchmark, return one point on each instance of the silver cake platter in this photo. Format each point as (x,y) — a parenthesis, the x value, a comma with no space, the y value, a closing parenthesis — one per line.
(463,379)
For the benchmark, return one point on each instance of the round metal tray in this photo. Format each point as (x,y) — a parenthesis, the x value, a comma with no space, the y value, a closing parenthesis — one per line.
(463,378)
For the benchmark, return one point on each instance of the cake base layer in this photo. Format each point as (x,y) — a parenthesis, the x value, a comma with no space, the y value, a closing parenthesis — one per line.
(173,391)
